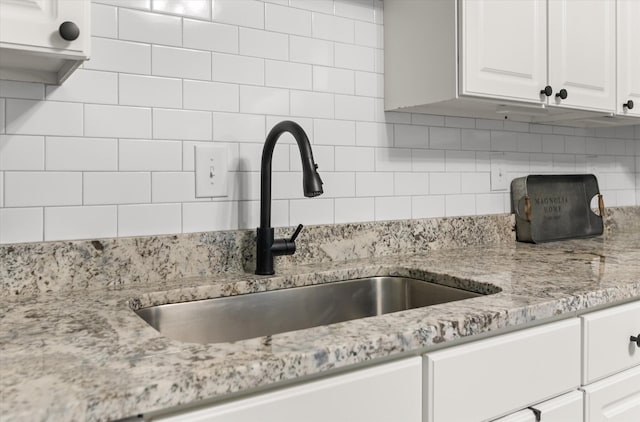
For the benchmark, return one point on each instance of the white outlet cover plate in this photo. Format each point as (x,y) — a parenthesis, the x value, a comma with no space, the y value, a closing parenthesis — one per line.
(499,181)
(211,169)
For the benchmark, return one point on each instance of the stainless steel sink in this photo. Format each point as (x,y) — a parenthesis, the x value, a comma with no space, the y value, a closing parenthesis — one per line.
(260,314)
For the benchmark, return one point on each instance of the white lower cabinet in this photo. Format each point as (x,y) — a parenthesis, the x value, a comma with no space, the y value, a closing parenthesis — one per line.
(384,393)
(566,408)
(614,399)
(486,379)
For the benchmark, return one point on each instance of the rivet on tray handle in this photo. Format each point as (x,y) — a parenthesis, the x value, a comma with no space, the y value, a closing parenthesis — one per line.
(527,207)
(601,205)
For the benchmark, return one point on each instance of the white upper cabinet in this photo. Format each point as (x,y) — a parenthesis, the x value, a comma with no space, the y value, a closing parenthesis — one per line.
(582,55)
(504,49)
(628,58)
(34,43)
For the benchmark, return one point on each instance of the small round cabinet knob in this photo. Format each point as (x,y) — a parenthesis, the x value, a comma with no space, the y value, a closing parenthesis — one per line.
(628,104)
(562,94)
(635,339)
(69,31)
(547,91)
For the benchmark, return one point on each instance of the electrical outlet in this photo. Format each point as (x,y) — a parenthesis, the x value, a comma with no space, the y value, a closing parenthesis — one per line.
(499,180)
(211,171)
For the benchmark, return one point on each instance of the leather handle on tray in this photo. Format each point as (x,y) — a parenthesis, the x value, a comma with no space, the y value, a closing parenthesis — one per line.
(527,207)
(601,205)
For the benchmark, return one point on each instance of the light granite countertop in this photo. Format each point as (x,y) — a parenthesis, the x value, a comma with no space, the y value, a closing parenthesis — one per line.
(85,355)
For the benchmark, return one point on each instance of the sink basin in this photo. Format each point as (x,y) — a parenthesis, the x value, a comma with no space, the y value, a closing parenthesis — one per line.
(252,315)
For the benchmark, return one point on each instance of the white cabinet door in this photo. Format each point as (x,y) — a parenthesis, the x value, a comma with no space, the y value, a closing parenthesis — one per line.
(607,348)
(34,23)
(614,399)
(483,380)
(388,392)
(628,56)
(566,408)
(582,42)
(504,49)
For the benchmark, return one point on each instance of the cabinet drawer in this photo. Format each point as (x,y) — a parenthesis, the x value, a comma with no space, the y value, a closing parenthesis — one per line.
(566,408)
(614,399)
(606,344)
(489,378)
(387,392)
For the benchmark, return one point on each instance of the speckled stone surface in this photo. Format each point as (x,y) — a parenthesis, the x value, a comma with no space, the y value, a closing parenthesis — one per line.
(83,354)
(29,269)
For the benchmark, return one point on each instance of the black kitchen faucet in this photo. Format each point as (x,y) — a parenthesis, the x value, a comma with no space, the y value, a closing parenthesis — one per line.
(267,246)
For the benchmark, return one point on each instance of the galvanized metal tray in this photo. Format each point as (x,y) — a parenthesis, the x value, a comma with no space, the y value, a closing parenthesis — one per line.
(556,207)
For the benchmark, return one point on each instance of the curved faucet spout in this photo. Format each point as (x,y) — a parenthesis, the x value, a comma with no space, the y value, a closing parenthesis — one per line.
(267,246)
(311,182)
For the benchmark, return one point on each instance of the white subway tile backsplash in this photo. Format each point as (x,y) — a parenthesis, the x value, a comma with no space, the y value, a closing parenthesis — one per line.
(87,86)
(81,154)
(110,152)
(199,217)
(332,28)
(309,50)
(288,75)
(444,183)
(104,21)
(181,63)
(460,205)
(475,182)
(23,90)
(311,211)
(153,28)
(238,127)
(239,12)
(355,159)
(287,19)
(70,223)
(444,138)
(237,69)
(312,104)
(18,225)
(150,219)
(136,4)
(21,152)
(393,208)
(182,124)
(349,107)
(117,121)
(460,161)
(150,91)
(328,79)
(270,45)
(375,134)
(355,57)
(174,187)
(195,8)
(427,206)
(411,183)
(27,117)
(408,136)
(36,189)
(338,185)
(261,100)
(149,155)
(374,184)
(103,188)
(427,160)
(119,56)
(334,132)
(210,36)
(352,210)
(393,159)
(214,96)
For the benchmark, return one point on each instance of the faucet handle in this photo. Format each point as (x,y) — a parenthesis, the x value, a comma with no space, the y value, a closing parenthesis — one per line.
(296,233)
